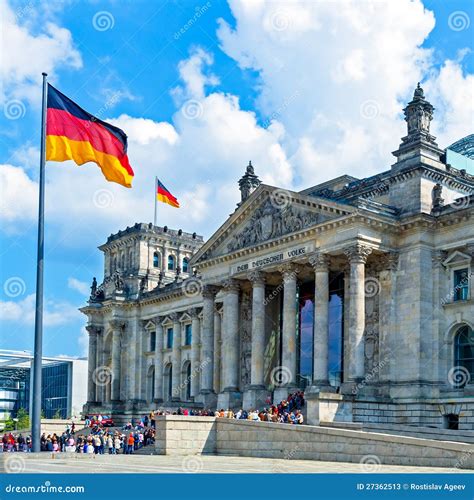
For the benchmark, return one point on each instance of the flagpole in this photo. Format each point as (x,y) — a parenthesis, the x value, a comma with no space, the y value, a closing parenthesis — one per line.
(156,189)
(38,349)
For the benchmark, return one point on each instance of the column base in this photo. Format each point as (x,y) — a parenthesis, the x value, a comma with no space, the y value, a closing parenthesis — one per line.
(352,387)
(281,393)
(229,399)
(256,397)
(208,399)
(158,400)
(318,387)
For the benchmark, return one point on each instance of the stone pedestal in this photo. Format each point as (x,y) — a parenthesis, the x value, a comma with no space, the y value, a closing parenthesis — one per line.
(229,399)
(255,398)
(327,407)
(207,398)
(281,393)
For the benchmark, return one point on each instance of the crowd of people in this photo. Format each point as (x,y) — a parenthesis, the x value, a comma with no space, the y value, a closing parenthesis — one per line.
(288,411)
(134,435)
(98,441)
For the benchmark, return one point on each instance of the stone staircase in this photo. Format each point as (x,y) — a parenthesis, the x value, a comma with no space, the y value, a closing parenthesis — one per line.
(457,436)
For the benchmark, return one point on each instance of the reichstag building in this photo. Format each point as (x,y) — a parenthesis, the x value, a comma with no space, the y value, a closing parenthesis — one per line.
(357,291)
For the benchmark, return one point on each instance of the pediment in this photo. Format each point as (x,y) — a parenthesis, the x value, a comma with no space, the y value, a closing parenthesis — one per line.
(269,214)
(456,257)
(150,325)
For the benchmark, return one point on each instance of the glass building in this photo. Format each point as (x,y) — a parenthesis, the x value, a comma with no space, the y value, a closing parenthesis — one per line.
(64,385)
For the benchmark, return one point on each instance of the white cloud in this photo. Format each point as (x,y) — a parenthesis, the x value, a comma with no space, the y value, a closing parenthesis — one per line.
(23,311)
(199,158)
(18,197)
(192,73)
(28,54)
(354,65)
(80,286)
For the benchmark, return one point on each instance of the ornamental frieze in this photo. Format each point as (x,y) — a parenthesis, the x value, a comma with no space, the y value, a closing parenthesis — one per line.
(269,222)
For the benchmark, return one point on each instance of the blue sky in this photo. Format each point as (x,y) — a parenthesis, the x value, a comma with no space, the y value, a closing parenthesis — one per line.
(308,91)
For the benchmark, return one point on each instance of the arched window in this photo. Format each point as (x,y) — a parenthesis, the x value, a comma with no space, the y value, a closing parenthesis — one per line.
(170,262)
(130,259)
(156,259)
(185,265)
(122,262)
(463,357)
(115,264)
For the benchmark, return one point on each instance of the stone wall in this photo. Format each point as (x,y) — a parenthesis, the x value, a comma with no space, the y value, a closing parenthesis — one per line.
(180,435)
(195,435)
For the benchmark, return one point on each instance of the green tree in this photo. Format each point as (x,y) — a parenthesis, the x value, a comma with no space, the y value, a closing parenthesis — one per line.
(23,419)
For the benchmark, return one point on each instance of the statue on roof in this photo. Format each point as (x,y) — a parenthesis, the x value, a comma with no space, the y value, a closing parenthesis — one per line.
(418,113)
(248,183)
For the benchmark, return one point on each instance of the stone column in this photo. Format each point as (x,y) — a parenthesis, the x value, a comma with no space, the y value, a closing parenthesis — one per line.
(176,358)
(92,364)
(217,348)
(286,375)
(195,357)
(158,362)
(230,397)
(256,395)
(320,263)
(207,394)
(357,255)
(117,327)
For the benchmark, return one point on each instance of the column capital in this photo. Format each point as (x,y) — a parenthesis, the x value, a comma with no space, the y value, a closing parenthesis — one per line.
(319,261)
(358,253)
(117,324)
(209,291)
(158,320)
(257,278)
(231,285)
(94,330)
(194,312)
(289,271)
(174,317)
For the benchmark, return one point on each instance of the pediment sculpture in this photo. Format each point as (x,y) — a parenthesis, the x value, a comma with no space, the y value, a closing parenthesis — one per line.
(270,221)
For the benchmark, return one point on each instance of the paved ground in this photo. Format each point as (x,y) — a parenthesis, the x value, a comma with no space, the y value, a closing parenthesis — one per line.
(20,462)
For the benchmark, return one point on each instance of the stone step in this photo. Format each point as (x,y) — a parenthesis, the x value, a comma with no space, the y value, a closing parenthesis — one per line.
(458,436)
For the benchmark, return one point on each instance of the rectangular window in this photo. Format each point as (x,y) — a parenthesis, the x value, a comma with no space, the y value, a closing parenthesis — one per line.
(188,334)
(169,338)
(461,284)
(152,341)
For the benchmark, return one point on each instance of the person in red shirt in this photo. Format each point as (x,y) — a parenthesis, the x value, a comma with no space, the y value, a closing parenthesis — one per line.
(131,442)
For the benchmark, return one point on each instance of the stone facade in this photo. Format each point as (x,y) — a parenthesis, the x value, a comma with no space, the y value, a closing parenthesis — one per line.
(357,291)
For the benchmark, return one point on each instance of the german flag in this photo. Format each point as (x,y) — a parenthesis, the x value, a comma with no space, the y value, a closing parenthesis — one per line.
(74,134)
(162,194)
